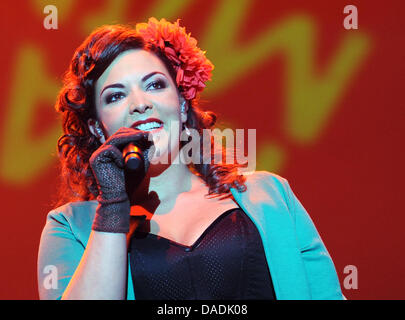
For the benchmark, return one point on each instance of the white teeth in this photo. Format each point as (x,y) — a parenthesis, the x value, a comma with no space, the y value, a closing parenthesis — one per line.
(148,126)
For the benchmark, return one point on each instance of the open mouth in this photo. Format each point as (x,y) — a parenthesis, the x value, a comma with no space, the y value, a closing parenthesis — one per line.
(148,125)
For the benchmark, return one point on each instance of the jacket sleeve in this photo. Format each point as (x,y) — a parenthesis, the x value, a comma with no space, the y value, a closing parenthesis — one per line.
(320,270)
(58,257)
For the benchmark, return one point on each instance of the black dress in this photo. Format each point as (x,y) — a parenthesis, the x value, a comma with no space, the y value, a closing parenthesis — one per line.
(226,262)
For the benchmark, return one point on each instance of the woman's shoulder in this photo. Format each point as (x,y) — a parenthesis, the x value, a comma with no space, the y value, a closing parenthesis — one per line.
(263,175)
(77,214)
(265,179)
(264,187)
(72,209)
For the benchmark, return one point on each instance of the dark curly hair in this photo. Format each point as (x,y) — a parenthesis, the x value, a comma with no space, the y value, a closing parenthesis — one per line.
(75,103)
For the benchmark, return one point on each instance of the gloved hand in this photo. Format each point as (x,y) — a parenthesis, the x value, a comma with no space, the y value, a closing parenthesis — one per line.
(107,164)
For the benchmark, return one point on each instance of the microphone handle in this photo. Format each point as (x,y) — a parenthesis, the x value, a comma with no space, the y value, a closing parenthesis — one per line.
(133,157)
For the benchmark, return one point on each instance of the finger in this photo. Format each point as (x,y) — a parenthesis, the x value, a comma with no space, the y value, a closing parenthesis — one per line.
(126,135)
(116,155)
(109,154)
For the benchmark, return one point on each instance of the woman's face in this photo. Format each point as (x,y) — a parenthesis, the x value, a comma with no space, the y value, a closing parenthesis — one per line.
(138,87)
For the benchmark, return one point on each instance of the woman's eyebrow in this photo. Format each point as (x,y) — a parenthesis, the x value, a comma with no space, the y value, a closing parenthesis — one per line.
(150,75)
(114,85)
(119,85)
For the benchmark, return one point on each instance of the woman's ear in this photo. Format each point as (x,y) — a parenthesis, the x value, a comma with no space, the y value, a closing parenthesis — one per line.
(95,129)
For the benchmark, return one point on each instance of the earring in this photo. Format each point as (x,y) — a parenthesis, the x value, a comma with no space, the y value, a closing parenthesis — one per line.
(99,131)
(183,107)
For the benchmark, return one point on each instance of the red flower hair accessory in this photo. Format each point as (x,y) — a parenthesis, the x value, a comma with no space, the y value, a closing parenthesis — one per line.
(193,69)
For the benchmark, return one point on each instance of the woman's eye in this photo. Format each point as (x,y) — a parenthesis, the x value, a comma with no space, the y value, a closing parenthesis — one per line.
(113,97)
(159,84)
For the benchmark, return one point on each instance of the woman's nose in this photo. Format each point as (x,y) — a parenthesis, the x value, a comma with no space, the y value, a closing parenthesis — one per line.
(139,105)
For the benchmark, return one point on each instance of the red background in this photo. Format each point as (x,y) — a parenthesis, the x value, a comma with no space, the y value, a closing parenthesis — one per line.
(350,178)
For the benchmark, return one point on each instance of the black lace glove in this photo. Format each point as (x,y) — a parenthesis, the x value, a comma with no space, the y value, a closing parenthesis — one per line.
(107,164)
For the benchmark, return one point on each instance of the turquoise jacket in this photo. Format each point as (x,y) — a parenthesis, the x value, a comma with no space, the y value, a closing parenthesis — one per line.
(299,263)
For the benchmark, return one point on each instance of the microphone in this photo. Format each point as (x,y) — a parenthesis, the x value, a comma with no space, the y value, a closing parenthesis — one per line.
(136,164)
(133,157)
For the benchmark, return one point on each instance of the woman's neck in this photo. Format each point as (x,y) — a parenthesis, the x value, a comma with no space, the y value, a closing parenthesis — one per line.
(162,186)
